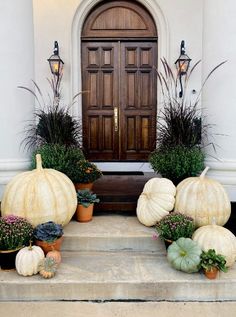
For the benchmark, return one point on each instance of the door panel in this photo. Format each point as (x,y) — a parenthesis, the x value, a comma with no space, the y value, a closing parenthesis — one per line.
(121,80)
(100,79)
(138,99)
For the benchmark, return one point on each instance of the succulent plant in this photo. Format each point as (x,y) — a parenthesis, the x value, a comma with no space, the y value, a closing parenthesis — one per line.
(48,231)
(86,197)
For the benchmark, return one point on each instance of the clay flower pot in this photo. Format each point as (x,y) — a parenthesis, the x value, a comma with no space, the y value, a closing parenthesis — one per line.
(212,273)
(167,243)
(84,214)
(83,186)
(49,246)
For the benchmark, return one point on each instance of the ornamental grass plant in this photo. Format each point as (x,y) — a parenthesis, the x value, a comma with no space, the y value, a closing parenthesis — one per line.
(174,226)
(15,232)
(182,130)
(54,123)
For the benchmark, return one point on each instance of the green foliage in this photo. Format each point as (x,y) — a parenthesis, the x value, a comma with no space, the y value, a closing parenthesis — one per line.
(15,232)
(48,231)
(59,157)
(85,172)
(174,226)
(54,123)
(210,259)
(177,163)
(86,197)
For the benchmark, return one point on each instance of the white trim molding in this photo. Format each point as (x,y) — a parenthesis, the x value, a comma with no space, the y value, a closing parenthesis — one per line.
(224,171)
(11,167)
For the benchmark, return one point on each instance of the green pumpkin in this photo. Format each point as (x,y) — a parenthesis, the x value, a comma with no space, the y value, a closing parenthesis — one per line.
(184,255)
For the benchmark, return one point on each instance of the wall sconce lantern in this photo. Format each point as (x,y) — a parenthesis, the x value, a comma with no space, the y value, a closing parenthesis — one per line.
(182,65)
(56,66)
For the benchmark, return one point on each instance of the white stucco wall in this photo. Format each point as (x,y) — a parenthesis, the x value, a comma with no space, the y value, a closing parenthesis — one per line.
(16,68)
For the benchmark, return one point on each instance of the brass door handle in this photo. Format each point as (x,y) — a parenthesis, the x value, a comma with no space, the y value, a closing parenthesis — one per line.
(116,119)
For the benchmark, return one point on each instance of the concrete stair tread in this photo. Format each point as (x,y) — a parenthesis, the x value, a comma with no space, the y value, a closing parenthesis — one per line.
(108,233)
(117,276)
(108,226)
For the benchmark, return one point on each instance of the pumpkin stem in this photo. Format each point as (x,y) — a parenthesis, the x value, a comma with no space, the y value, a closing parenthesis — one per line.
(204,172)
(39,166)
(30,246)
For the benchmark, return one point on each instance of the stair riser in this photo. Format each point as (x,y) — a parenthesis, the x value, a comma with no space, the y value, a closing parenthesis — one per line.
(141,244)
(119,291)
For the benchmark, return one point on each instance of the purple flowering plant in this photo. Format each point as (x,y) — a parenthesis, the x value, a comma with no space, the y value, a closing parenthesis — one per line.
(174,226)
(15,232)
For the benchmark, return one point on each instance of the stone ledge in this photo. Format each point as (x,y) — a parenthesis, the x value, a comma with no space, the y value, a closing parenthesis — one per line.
(117,276)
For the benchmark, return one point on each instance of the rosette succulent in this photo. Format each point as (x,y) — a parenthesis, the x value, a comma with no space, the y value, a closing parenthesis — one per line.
(48,231)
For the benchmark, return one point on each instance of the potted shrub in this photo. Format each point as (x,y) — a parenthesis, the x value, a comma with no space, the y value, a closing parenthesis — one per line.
(48,236)
(182,130)
(174,226)
(84,174)
(86,199)
(59,157)
(15,233)
(211,263)
(178,162)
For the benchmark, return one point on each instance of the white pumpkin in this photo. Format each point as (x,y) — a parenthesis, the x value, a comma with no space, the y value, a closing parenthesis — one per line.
(28,260)
(218,238)
(156,200)
(40,195)
(203,199)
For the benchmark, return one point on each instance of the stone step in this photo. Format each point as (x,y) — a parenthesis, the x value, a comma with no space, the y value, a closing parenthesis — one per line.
(110,233)
(106,276)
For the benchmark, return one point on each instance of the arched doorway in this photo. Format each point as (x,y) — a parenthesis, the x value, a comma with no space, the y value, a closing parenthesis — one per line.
(119,57)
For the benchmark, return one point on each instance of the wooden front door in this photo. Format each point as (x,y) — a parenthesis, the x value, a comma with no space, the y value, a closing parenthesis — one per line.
(119,107)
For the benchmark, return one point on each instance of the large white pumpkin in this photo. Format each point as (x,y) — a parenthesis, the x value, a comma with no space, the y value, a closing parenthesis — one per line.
(156,200)
(40,195)
(203,199)
(28,260)
(218,238)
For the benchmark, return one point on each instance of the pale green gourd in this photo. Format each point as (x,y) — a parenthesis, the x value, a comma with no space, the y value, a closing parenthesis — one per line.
(184,255)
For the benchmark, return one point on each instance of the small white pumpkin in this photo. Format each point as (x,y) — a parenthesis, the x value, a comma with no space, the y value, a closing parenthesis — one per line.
(156,200)
(28,260)
(218,238)
(40,195)
(203,199)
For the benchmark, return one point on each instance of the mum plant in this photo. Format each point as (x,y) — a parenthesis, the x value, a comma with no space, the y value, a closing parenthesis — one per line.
(175,226)
(84,172)
(48,231)
(15,232)
(59,157)
(86,197)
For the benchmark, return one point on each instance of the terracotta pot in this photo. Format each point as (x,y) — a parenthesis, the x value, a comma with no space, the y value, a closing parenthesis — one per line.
(212,273)
(49,246)
(84,214)
(83,186)
(7,259)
